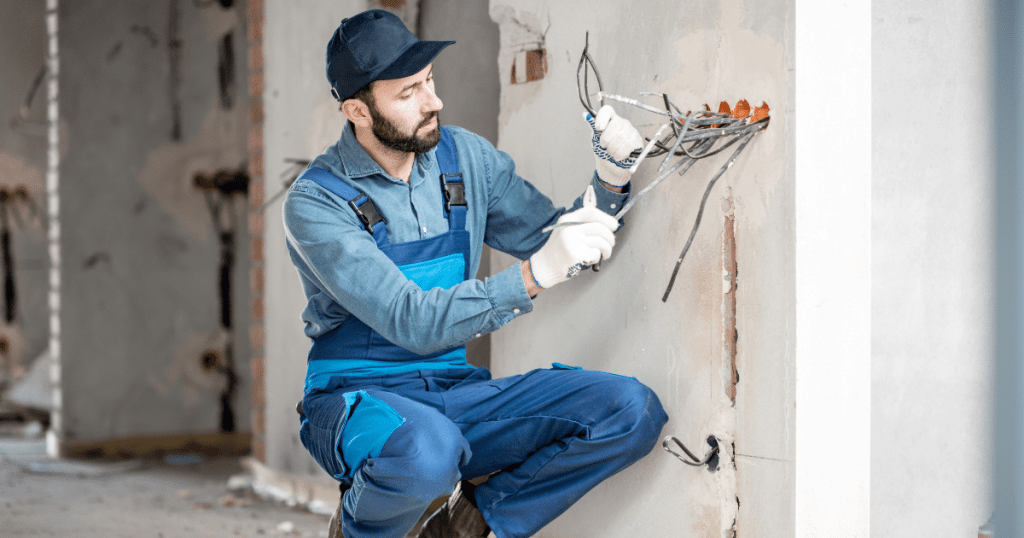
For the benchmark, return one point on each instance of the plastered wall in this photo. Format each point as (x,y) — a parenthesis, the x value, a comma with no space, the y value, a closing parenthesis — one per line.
(722,351)
(697,52)
(301,119)
(151,98)
(932,288)
(23,164)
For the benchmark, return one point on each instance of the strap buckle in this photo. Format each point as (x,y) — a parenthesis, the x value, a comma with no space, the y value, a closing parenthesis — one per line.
(454,193)
(370,216)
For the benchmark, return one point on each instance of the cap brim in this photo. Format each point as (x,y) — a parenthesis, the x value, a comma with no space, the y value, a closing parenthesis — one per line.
(413,60)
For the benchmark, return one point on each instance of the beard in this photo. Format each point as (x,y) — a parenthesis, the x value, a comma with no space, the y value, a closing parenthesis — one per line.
(389,134)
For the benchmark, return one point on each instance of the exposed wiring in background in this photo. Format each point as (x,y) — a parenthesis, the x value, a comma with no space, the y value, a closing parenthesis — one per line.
(20,123)
(295,168)
(10,200)
(219,189)
(33,89)
(689,136)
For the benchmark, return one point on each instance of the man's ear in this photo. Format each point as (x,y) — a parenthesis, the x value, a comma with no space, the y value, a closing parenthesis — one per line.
(357,112)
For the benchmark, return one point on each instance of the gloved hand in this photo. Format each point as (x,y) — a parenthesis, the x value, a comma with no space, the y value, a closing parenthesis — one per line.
(614,139)
(570,248)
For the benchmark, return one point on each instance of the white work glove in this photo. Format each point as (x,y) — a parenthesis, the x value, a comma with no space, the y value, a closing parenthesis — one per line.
(572,247)
(614,139)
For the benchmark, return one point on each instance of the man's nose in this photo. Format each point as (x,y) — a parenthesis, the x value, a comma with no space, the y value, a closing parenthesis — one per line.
(433,103)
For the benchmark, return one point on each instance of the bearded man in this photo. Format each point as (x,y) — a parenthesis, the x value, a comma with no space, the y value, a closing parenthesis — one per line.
(386,229)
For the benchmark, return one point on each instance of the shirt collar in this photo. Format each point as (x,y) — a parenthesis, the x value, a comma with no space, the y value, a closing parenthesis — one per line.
(356,163)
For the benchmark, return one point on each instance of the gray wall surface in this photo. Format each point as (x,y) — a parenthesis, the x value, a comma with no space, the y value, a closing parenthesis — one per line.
(466,78)
(932,325)
(697,52)
(140,254)
(929,250)
(466,75)
(23,163)
(301,120)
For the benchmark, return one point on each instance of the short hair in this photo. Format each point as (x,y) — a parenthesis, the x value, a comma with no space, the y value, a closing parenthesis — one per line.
(365,94)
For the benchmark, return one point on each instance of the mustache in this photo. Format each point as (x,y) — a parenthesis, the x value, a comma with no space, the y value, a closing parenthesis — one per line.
(430,117)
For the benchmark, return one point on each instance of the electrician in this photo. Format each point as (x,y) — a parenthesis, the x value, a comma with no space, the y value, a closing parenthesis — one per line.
(386,229)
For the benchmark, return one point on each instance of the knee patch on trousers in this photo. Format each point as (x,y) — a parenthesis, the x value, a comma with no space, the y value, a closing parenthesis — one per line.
(343,432)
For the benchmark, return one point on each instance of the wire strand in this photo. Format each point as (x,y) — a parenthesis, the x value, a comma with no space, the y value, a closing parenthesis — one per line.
(701,130)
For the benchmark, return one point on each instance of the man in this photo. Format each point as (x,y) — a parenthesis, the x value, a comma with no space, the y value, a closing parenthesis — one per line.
(386,228)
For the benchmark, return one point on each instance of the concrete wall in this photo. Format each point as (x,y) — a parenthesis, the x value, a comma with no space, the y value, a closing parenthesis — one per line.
(141,99)
(301,119)
(23,163)
(932,290)
(915,229)
(697,52)
(467,81)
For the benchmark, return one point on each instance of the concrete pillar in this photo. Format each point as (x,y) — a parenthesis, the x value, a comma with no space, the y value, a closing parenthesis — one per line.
(301,119)
(152,98)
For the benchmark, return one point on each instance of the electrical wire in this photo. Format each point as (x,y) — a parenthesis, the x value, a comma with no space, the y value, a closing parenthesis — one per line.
(693,136)
(693,460)
(585,62)
(700,213)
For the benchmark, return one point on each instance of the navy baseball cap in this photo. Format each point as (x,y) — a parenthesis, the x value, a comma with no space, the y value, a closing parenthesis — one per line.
(374,45)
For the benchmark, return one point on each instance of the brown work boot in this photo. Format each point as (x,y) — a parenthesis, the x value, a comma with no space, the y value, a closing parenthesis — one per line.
(334,527)
(457,518)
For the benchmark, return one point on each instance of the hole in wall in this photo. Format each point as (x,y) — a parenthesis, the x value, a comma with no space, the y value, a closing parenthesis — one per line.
(210,360)
(529,65)
(713,462)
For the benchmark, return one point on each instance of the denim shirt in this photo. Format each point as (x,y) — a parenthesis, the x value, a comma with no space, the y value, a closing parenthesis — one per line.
(343,272)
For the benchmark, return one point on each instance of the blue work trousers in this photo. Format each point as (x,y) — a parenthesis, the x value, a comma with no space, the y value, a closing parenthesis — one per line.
(548,437)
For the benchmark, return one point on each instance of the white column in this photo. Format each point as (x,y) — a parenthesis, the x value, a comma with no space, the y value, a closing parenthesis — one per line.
(833,268)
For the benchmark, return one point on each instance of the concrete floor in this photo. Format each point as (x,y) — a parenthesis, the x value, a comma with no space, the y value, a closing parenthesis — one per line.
(170,498)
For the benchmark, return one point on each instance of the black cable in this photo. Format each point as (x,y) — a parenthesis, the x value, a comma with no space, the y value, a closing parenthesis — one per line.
(584,88)
(703,128)
(696,462)
(700,213)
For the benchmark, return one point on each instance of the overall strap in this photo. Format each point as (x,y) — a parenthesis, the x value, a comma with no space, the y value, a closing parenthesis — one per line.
(452,186)
(367,213)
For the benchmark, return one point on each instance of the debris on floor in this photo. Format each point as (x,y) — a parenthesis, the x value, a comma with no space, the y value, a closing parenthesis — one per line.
(204,497)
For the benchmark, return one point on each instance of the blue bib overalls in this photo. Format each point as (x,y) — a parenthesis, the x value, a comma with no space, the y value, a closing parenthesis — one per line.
(400,440)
